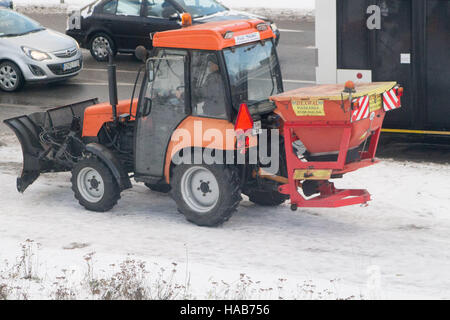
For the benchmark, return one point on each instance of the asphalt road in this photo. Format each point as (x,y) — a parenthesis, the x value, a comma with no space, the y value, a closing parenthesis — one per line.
(296,55)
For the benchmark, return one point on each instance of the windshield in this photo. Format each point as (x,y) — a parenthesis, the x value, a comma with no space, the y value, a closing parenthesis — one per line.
(253,70)
(15,24)
(200,8)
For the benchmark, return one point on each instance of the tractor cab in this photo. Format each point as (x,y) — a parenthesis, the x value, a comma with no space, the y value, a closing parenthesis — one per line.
(229,62)
(200,76)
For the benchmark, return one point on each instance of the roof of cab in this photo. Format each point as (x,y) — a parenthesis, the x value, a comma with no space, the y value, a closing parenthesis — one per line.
(210,36)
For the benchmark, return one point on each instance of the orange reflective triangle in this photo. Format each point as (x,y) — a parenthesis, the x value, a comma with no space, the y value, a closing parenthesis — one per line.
(244,119)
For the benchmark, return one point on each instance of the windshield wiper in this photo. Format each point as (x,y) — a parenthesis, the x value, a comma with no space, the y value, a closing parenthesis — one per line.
(31,31)
(21,34)
(8,35)
(36,30)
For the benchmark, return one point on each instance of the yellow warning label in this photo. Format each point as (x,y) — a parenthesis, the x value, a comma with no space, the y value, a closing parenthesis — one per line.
(312,174)
(309,108)
(375,103)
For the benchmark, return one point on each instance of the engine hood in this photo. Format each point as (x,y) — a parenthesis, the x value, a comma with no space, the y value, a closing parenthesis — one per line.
(46,40)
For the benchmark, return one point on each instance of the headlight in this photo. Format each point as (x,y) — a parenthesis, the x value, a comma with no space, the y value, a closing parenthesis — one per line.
(274,27)
(77,44)
(36,54)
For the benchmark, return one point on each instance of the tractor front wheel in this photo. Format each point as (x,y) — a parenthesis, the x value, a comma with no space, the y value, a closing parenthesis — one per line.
(206,195)
(94,185)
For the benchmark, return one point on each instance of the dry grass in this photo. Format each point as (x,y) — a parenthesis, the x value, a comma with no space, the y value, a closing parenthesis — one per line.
(132,280)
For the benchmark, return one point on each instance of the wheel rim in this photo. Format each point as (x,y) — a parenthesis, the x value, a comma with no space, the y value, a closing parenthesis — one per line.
(90,185)
(100,46)
(8,77)
(200,189)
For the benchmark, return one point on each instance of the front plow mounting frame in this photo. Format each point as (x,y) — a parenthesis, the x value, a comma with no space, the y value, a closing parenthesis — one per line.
(329,196)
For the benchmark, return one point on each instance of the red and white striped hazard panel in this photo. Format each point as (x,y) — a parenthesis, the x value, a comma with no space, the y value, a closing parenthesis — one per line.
(363,110)
(391,100)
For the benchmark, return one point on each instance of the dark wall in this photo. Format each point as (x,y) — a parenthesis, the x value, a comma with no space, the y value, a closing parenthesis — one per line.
(418,27)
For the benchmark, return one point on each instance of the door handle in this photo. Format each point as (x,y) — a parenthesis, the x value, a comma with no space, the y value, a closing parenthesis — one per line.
(147,107)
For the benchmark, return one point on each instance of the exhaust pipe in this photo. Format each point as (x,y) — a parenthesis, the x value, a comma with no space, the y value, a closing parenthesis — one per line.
(112,84)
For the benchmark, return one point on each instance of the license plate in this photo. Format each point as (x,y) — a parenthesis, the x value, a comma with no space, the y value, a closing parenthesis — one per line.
(257,128)
(71,65)
(246,38)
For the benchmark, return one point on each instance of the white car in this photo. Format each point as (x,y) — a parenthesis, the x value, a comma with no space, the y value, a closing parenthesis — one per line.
(31,53)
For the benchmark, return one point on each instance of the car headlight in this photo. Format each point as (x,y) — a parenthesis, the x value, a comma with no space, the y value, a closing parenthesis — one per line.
(36,54)
(274,27)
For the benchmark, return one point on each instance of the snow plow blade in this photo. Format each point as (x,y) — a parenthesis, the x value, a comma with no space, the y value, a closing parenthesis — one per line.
(48,139)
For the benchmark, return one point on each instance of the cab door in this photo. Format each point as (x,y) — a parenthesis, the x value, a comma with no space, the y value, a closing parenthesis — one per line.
(162,108)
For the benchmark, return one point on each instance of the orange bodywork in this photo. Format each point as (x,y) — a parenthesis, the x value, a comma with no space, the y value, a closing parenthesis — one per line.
(210,36)
(205,133)
(97,115)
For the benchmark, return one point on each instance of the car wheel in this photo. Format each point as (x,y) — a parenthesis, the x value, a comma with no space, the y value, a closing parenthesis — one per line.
(11,78)
(100,45)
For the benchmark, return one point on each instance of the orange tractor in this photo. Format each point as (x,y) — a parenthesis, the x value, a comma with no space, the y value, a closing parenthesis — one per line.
(207,95)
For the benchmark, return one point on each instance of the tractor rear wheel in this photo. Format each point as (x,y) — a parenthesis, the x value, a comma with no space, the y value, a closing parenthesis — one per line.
(94,186)
(267,198)
(206,195)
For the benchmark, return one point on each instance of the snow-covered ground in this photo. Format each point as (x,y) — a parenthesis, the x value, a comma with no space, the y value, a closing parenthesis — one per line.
(398,247)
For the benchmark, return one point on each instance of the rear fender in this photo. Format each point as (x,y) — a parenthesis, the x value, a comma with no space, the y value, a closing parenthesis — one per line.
(111,161)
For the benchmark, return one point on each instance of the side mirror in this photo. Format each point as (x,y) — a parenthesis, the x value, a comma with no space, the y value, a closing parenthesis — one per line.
(141,53)
(150,70)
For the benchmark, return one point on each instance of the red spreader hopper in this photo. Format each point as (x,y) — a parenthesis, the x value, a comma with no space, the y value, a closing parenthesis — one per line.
(340,128)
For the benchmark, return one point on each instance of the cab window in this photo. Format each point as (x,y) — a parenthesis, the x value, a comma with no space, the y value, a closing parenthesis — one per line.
(168,87)
(208,87)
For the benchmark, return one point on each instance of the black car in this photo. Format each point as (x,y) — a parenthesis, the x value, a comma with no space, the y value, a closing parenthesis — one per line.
(123,25)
